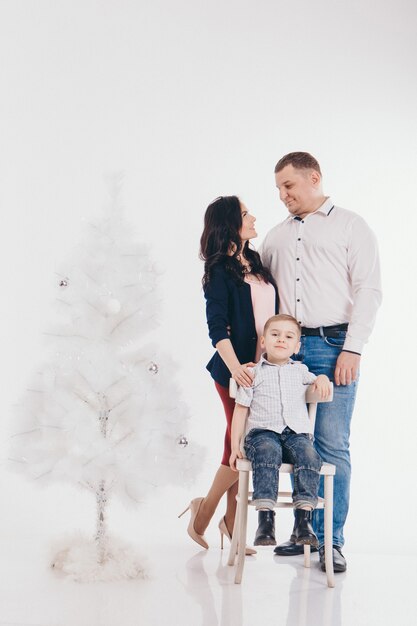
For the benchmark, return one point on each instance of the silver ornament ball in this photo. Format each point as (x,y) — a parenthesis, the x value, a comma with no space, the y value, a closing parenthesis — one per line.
(152,368)
(182,441)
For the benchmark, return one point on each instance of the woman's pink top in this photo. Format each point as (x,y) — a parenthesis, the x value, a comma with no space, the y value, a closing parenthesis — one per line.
(263,303)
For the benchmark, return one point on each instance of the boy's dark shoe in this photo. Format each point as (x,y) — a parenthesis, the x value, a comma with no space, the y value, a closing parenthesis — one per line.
(290,548)
(339,561)
(265,535)
(303,531)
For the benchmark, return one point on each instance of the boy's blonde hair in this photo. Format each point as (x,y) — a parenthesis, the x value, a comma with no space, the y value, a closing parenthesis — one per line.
(281,317)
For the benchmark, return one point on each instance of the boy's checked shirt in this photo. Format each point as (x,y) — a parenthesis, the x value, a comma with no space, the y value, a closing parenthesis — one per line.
(277,397)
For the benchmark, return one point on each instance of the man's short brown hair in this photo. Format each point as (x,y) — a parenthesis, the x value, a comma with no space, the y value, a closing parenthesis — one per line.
(282,317)
(299,161)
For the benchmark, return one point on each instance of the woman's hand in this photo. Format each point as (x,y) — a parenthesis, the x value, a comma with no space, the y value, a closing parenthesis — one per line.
(242,375)
(236,454)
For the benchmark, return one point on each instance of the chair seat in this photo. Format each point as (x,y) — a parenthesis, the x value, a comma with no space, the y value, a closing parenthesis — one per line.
(244,465)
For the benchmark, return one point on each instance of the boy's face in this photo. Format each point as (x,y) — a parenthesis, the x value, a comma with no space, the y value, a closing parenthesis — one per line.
(280,341)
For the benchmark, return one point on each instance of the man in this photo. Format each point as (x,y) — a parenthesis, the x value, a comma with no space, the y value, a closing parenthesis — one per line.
(325,262)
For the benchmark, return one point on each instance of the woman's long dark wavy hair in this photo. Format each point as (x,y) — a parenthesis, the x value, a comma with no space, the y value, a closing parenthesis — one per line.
(222,225)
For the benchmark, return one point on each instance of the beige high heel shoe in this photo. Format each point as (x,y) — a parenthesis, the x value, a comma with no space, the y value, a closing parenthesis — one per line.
(194,508)
(224,531)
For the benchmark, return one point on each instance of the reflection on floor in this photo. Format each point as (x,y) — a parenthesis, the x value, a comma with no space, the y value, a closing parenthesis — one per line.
(185,586)
(189,586)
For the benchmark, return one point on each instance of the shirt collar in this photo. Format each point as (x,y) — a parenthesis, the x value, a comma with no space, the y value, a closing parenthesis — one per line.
(325,208)
(264,361)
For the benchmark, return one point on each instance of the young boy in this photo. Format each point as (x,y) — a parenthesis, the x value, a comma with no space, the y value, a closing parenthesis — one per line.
(278,430)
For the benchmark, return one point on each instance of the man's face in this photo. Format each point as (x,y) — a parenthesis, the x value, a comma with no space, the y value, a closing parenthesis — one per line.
(298,189)
(280,341)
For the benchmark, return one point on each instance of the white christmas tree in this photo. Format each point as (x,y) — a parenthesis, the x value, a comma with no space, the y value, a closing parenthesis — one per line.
(104,411)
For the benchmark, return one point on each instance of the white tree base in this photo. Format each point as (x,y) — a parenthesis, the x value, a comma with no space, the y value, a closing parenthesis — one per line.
(79,560)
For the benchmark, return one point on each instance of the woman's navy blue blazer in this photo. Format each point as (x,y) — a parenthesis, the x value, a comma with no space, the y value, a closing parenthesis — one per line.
(229,314)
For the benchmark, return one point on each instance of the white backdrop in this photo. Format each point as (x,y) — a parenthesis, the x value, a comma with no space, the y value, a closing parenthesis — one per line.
(194,99)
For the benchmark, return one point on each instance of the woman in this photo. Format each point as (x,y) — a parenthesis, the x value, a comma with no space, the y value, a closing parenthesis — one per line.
(240,296)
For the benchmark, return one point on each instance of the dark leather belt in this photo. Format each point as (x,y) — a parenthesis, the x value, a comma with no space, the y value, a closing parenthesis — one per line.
(327,331)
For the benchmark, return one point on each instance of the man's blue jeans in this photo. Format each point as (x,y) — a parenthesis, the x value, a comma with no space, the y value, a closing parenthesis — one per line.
(331,435)
(267,450)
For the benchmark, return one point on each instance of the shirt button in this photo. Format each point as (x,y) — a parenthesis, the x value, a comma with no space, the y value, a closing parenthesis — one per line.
(299,239)
(298,258)
(297,279)
(302,221)
(298,299)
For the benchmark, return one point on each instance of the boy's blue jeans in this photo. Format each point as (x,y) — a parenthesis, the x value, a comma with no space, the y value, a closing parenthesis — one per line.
(331,435)
(267,450)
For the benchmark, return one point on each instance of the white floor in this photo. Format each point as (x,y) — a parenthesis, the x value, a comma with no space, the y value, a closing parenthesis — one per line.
(189,586)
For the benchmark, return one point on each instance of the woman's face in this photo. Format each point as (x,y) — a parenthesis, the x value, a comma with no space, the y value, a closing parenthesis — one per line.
(248,224)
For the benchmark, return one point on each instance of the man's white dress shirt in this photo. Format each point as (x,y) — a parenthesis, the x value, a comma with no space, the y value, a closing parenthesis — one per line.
(327,270)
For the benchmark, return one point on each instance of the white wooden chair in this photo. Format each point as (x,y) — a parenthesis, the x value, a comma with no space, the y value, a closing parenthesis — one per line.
(244,499)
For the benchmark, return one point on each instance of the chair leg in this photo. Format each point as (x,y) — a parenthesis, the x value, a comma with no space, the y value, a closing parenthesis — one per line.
(235,532)
(243,494)
(307,553)
(328,529)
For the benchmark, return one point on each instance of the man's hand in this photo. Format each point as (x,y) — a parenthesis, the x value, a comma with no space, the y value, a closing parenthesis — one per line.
(236,454)
(347,367)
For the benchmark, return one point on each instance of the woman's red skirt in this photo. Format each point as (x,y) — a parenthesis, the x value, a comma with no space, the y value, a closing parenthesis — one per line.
(229,407)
